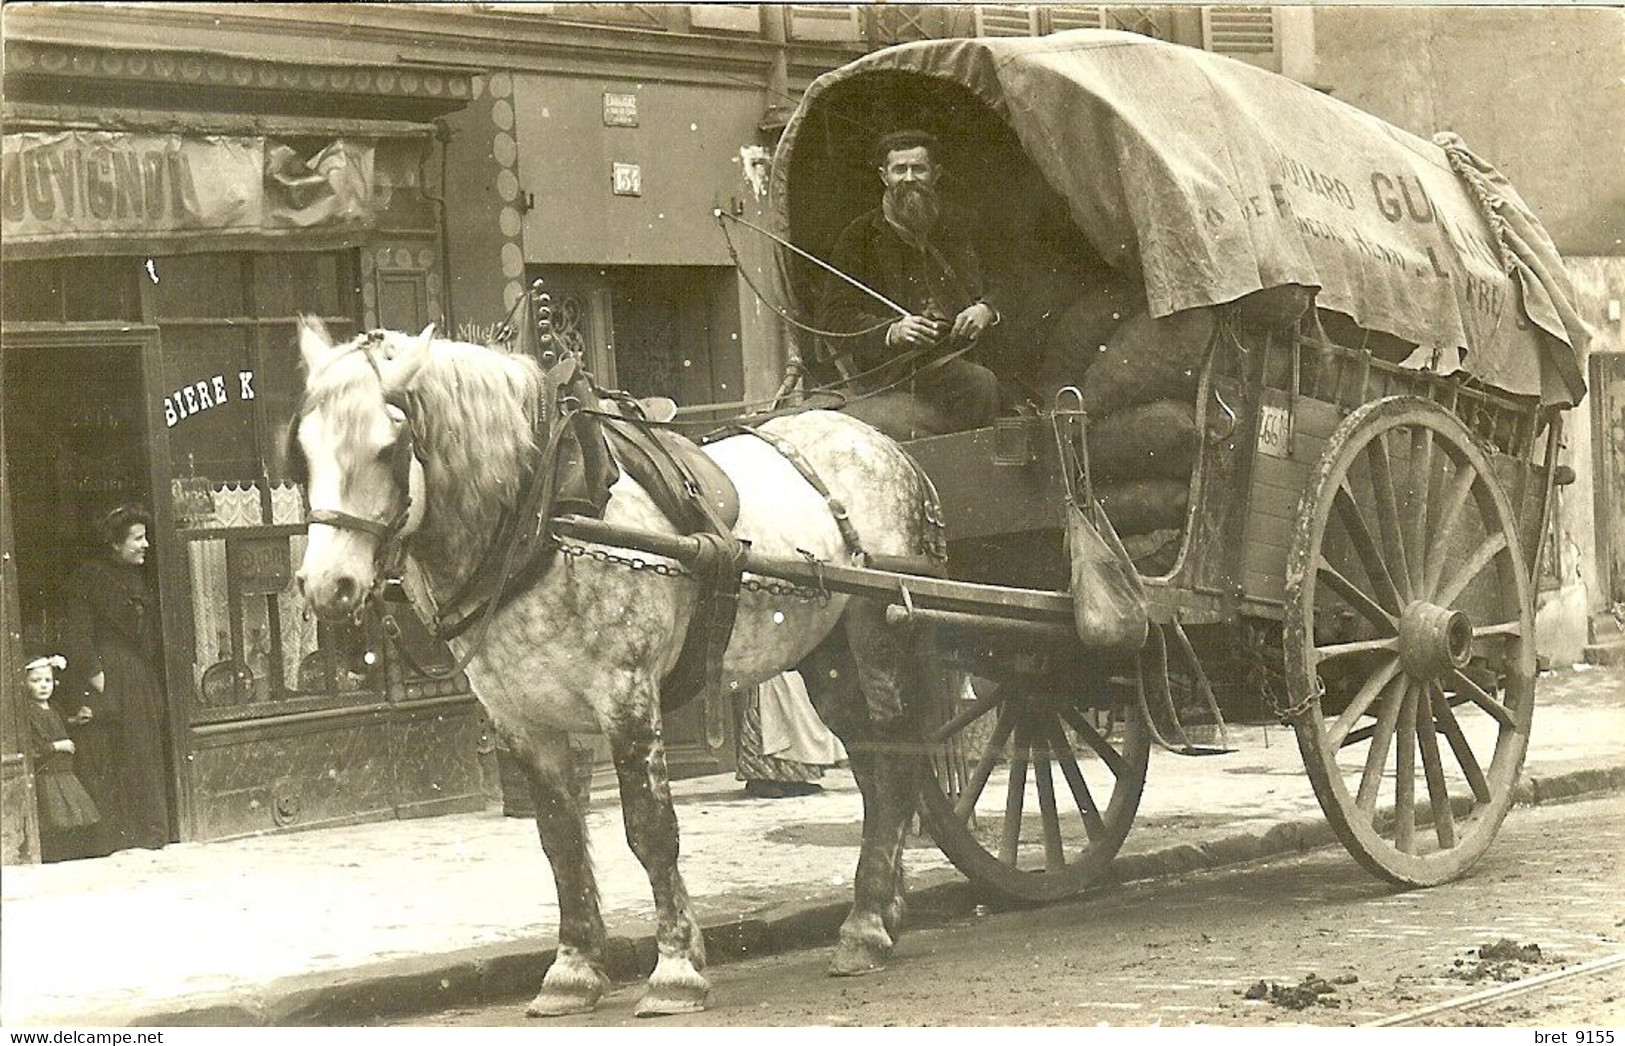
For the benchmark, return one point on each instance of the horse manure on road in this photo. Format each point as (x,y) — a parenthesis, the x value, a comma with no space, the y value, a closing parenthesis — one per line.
(1504,960)
(1314,990)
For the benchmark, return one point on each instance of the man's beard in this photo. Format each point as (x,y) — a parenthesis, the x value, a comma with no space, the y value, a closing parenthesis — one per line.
(913,206)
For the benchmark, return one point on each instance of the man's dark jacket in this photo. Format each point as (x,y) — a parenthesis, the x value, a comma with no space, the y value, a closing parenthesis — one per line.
(947,278)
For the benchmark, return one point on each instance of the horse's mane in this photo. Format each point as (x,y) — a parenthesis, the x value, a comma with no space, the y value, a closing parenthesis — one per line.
(475,409)
(477,421)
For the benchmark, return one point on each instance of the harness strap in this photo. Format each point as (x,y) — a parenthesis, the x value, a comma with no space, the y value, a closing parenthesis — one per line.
(837,509)
(650,461)
(523,528)
(383,530)
(717,572)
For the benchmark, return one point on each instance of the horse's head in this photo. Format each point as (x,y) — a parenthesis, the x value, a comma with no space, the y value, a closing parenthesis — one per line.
(353,440)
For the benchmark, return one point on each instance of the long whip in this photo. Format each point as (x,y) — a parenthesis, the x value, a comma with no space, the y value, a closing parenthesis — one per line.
(821,263)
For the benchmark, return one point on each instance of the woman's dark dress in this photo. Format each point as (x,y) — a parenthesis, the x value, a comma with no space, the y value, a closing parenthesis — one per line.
(67,814)
(112,627)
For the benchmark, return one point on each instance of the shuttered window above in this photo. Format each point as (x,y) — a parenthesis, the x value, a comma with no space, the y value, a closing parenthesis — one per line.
(1247,33)
(1061,17)
(1006,20)
(735,18)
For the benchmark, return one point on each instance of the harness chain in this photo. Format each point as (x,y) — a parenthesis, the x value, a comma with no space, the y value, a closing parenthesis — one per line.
(768,586)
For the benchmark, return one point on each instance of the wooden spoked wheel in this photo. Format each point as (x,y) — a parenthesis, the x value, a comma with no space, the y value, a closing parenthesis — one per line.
(1033,796)
(1409,641)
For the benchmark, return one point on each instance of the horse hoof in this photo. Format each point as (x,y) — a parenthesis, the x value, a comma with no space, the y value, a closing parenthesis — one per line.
(567,991)
(561,1004)
(669,1002)
(856,958)
(674,987)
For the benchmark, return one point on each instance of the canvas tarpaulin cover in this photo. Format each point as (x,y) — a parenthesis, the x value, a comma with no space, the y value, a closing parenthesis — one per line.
(1214,179)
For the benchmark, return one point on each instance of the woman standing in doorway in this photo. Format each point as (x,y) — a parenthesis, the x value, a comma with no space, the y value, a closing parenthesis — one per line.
(113,645)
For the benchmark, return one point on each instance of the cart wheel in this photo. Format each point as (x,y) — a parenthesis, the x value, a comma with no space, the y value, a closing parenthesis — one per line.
(1397,631)
(1033,846)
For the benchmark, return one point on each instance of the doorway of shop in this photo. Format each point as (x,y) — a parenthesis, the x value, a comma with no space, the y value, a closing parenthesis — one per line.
(653,330)
(79,442)
(660,330)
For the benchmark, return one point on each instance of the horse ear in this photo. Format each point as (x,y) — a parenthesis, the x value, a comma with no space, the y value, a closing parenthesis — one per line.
(315,344)
(409,360)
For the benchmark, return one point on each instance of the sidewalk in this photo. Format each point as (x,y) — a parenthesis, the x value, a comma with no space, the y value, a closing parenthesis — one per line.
(336,924)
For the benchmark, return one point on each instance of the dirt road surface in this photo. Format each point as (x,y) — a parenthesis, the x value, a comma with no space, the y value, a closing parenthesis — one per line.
(1307,940)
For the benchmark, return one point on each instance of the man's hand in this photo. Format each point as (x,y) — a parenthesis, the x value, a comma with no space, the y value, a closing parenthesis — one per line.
(915,332)
(969,325)
(84,715)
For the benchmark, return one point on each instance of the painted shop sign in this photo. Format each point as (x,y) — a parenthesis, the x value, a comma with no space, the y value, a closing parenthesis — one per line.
(106,190)
(205,395)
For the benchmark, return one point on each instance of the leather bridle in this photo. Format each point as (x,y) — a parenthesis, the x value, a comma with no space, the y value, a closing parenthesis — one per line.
(389,534)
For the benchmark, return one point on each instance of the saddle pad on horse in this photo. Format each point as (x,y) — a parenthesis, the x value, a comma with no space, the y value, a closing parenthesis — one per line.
(687,486)
(700,500)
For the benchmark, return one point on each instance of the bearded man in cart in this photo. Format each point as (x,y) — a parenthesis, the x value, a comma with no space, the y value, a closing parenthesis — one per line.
(927,256)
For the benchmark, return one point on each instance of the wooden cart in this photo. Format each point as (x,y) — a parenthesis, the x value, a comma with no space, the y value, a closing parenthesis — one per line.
(1356,562)
(1362,527)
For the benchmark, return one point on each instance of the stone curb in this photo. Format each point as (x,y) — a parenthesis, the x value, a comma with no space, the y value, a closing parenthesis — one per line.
(494,973)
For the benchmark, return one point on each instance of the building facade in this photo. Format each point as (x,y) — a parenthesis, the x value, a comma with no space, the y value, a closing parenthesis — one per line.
(169,211)
(1541,97)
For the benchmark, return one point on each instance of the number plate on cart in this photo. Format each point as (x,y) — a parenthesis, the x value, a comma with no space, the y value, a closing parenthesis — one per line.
(1274,426)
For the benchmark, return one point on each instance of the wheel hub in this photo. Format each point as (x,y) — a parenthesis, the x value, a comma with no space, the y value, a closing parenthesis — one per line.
(1434,640)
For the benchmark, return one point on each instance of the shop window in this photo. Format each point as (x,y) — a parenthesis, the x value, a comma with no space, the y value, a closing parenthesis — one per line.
(228,321)
(199,286)
(210,421)
(286,285)
(72,290)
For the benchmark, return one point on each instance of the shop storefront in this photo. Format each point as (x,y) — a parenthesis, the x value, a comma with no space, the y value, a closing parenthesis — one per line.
(167,216)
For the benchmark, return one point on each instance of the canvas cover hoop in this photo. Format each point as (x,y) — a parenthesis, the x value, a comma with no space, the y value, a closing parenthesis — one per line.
(1207,180)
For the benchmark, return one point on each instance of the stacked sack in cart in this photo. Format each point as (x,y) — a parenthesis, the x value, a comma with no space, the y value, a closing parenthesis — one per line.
(1138,377)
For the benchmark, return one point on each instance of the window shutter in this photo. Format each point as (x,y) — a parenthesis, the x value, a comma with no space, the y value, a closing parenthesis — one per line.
(1061,17)
(1247,33)
(828,22)
(736,18)
(1006,20)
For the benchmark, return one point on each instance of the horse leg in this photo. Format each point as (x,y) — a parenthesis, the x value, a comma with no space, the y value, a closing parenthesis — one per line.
(864,680)
(831,674)
(864,771)
(676,985)
(576,980)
